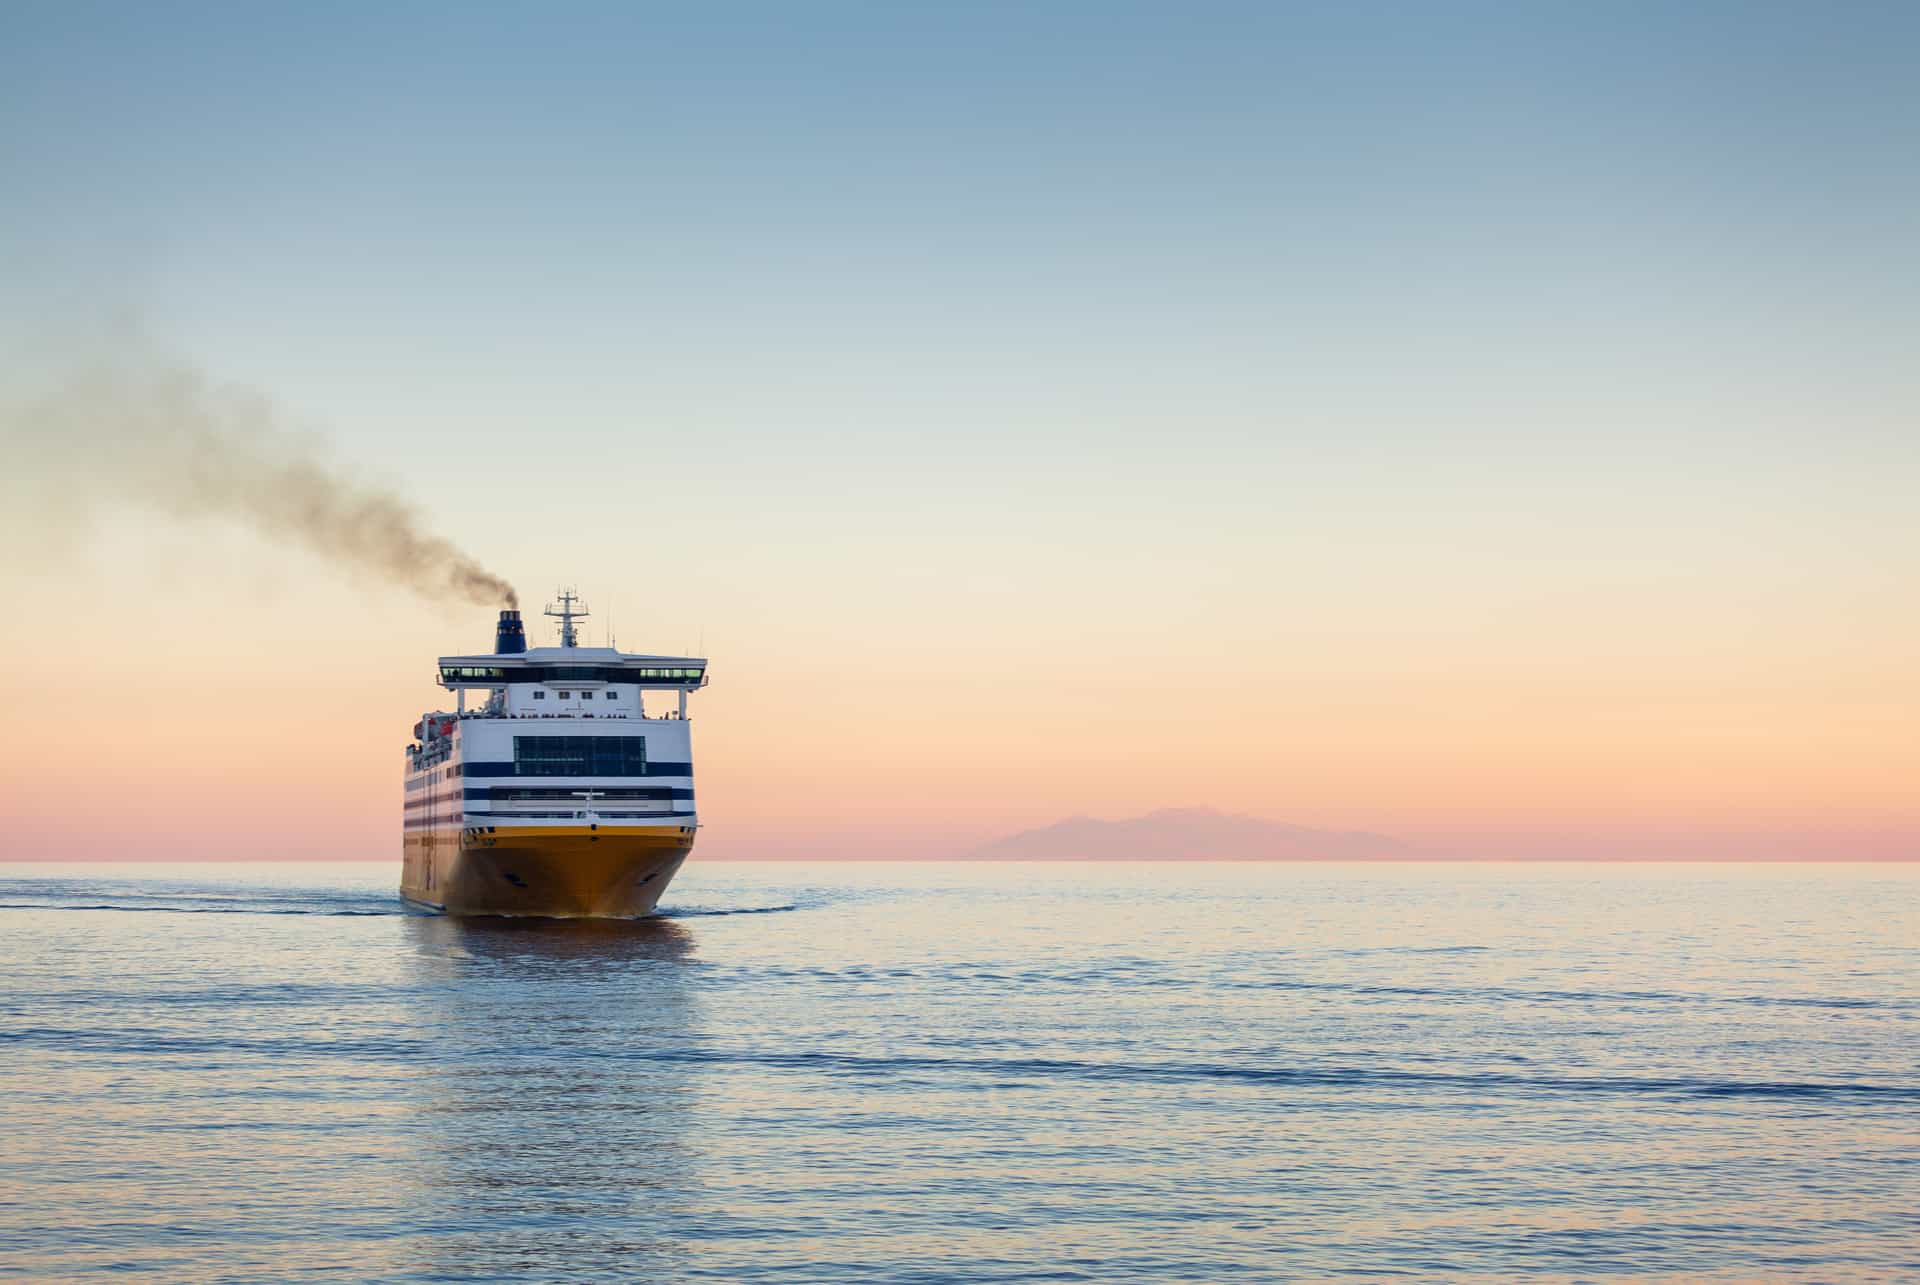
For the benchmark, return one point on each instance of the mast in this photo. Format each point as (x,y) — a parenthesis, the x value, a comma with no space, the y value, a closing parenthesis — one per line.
(564,609)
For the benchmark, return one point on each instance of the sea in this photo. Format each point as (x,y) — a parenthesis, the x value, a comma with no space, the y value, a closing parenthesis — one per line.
(951,1072)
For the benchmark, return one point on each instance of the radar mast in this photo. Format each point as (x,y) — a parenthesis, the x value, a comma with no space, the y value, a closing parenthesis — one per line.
(567,614)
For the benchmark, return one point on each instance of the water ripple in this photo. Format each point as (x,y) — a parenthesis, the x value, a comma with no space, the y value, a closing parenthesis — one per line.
(965,1075)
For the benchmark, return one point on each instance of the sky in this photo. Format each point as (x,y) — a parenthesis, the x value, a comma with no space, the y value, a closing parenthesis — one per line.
(1493,426)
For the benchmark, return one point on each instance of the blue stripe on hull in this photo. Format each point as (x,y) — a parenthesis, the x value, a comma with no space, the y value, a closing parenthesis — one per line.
(453,824)
(485,793)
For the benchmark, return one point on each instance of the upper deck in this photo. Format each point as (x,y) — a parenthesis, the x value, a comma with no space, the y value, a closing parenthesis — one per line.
(568,681)
(510,664)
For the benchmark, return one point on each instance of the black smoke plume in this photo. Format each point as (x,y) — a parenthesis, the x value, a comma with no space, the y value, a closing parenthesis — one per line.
(166,437)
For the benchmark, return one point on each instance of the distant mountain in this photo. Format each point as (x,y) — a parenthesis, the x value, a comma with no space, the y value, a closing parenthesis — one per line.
(1191,834)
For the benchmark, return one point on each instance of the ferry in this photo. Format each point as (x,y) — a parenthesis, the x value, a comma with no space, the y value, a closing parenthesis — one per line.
(565,792)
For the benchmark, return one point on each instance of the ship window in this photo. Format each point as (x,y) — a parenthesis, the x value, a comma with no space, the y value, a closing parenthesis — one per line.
(580,755)
(616,674)
(463,673)
(539,695)
(566,696)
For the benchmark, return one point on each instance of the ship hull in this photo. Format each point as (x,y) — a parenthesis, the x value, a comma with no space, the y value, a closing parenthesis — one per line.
(556,872)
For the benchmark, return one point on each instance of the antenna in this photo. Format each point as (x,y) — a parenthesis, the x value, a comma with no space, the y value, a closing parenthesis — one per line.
(564,609)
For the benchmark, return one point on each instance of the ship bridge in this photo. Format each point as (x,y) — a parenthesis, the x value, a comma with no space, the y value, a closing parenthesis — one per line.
(574,665)
(568,680)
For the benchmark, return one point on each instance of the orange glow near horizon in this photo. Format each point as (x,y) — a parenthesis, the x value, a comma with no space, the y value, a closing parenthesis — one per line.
(268,722)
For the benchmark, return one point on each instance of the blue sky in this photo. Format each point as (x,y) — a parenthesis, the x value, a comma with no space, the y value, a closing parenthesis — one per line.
(1427,220)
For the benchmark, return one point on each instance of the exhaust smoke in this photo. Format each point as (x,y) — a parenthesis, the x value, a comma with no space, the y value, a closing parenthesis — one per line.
(164,436)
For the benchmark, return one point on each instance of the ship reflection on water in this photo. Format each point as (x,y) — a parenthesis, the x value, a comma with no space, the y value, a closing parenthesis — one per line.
(552,1134)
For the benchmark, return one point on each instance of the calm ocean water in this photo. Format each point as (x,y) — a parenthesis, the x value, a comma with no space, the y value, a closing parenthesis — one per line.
(888,1072)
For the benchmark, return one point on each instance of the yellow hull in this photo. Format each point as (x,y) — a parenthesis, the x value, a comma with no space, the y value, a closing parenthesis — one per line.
(560,872)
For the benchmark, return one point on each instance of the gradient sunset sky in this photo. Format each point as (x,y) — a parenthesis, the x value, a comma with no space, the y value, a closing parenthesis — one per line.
(1497,426)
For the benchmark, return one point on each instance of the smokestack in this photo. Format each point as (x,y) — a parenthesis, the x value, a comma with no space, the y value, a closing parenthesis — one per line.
(511,636)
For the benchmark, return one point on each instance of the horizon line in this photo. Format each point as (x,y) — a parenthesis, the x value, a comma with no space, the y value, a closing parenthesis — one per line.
(1060,861)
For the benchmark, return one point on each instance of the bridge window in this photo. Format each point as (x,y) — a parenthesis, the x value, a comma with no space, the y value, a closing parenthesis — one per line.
(478,674)
(467,673)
